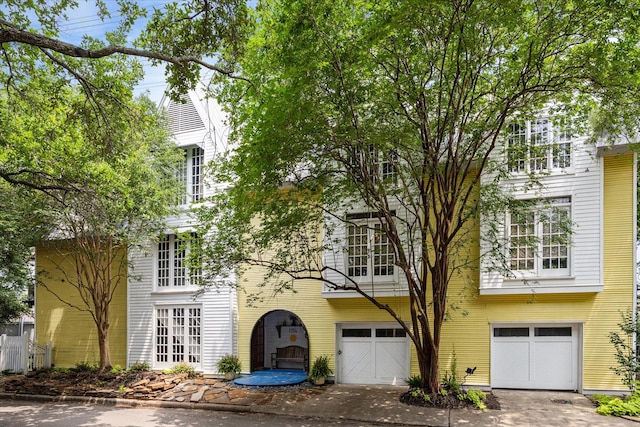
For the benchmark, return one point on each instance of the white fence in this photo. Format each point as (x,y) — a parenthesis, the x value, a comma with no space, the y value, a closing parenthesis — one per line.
(19,354)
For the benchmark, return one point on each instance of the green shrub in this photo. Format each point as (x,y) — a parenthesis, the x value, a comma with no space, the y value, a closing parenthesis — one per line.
(139,367)
(476,397)
(626,356)
(608,405)
(116,369)
(320,367)
(181,368)
(85,367)
(414,381)
(229,364)
(450,380)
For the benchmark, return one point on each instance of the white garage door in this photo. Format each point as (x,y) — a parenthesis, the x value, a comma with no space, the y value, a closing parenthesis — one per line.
(535,357)
(372,354)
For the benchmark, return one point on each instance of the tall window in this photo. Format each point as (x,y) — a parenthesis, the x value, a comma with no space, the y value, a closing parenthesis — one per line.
(539,238)
(173,270)
(539,145)
(178,335)
(190,174)
(370,255)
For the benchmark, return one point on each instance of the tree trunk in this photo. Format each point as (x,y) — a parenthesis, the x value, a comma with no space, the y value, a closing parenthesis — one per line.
(103,343)
(428,363)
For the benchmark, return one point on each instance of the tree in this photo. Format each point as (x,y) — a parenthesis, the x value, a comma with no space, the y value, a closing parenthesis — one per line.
(105,186)
(22,224)
(182,35)
(396,110)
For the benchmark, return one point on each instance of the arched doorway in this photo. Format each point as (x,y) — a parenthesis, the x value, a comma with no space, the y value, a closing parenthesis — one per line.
(277,329)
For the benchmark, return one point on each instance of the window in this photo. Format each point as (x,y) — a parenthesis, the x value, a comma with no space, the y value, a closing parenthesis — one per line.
(190,174)
(539,145)
(539,238)
(378,165)
(173,270)
(178,335)
(370,255)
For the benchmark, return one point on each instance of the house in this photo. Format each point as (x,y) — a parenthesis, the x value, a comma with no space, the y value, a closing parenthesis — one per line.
(158,315)
(169,320)
(72,331)
(544,325)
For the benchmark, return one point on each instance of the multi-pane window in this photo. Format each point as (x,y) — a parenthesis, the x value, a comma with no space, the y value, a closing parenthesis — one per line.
(173,270)
(370,255)
(384,163)
(178,335)
(539,145)
(539,238)
(190,174)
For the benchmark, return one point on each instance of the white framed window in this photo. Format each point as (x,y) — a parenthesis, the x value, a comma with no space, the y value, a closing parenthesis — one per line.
(190,174)
(172,269)
(539,145)
(369,253)
(539,238)
(178,335)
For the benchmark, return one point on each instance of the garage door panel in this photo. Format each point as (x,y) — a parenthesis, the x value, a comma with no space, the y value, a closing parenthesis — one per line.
(513,363)
(358,364)
(372,354)
(391,361)
(555,362)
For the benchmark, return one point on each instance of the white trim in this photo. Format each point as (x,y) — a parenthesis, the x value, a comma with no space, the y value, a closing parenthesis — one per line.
(154,353)
(608,391)
(380,290)
(526,289)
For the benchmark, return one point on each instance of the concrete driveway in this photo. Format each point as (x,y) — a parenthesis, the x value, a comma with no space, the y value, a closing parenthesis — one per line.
(379,404)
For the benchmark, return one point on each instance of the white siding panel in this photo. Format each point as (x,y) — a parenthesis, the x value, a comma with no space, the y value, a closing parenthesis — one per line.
(219,306)
(583,184)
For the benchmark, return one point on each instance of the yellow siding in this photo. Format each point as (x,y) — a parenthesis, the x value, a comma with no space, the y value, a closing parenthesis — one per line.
(470,334)
(598,312)
(73,332)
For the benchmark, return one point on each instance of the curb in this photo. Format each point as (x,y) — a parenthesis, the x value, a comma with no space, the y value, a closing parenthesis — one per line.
(128,403)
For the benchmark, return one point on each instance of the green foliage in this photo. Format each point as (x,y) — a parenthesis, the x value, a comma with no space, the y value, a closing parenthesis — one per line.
(181,368)
(450,380)
(85,367)
(608,405)
(228,364)
(320,367)
(476,397)
(418,392)
(626,355)
(139,367)
(116,369)
(98,179)
(187,36)
(414,381)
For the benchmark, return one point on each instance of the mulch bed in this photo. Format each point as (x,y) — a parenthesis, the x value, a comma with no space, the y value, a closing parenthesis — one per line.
(72,383)
(448,401)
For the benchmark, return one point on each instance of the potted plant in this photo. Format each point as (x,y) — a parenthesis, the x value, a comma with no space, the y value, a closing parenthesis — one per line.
(229,365)
(320,370)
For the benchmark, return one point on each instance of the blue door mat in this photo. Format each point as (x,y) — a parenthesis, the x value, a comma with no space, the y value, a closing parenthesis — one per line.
(272,377)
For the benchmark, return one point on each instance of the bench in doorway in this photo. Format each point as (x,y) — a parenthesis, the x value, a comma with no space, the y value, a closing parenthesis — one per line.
(290,354)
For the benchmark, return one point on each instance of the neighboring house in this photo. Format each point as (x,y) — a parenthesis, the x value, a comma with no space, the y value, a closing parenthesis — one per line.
(544,328)
(72,332)
(169,320)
